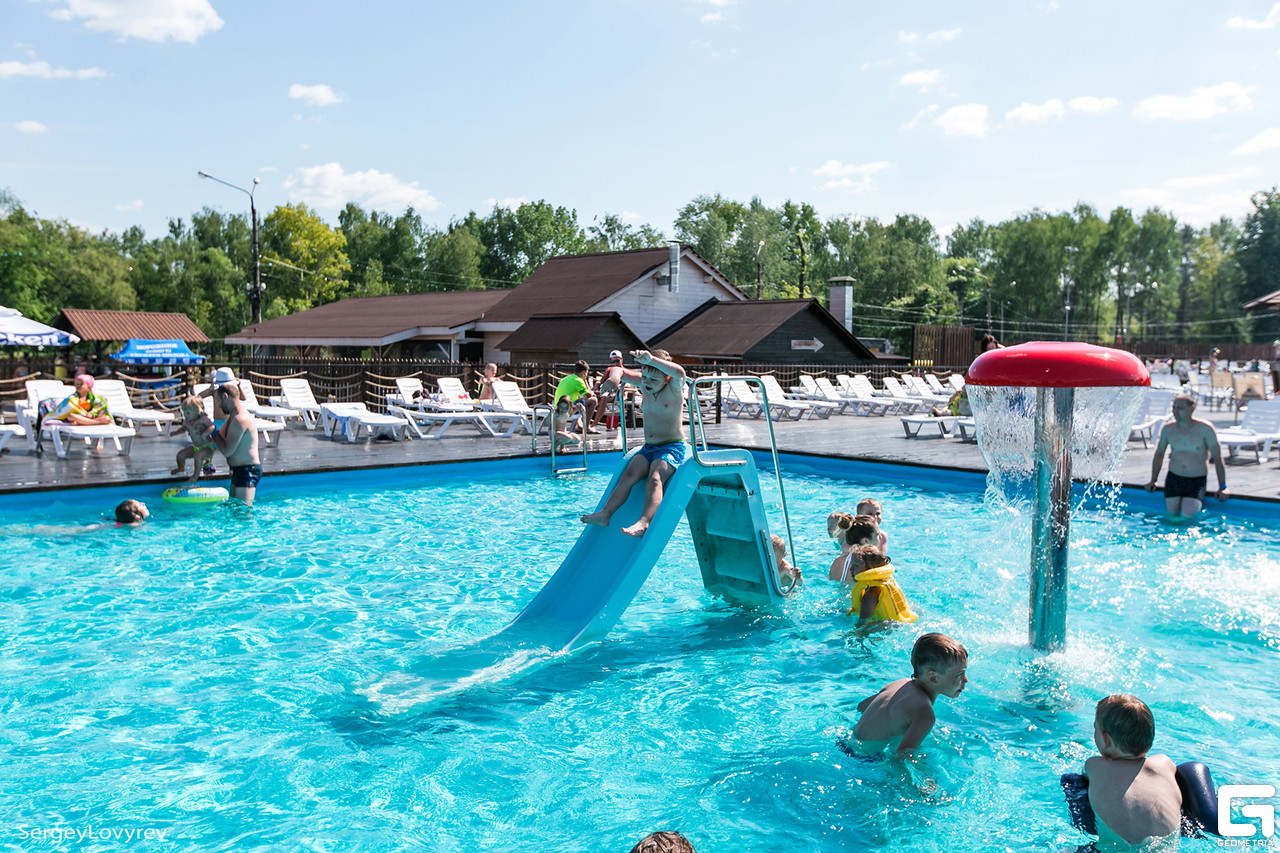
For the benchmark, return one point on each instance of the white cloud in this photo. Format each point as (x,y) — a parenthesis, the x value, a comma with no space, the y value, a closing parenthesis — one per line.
(850,176)
(150,20)
(908,37)
(44,70)
(1092,104)
(319,95)
(921,116)
(31,127)
(716,2)
(1273,18)
(1035,113)
(1203,102)
(136,204)
(923,79)
(1210,180)
(1191,205)
(506,203)
(712,18)
(1268,140)
(964,120)
(943,35)
(329,186)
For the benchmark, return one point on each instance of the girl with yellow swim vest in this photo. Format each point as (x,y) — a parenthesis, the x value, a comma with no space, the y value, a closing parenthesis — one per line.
(875,594)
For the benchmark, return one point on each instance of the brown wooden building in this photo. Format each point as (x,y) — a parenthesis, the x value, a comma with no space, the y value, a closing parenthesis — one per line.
(771,331)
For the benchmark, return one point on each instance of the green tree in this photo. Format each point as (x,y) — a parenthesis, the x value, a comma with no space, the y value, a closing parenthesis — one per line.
(1259,256)
(519,241)
(304,260)
(610,234)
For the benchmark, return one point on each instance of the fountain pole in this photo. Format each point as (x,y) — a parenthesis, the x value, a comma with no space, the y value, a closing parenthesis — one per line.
(1051,529)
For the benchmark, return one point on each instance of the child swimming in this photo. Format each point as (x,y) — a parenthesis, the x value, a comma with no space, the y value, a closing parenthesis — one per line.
(902,712)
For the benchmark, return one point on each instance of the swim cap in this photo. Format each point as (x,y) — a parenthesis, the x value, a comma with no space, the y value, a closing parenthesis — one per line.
(86,379)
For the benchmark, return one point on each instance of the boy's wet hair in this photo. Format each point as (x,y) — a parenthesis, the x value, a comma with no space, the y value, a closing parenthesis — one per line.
(862,529)
(665,356)
(937,652)
(872,502)
(663,842)
(129,512)
(870,556)
(1128,721)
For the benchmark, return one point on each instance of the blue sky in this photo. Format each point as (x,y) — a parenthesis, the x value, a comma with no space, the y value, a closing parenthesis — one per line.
(948,110)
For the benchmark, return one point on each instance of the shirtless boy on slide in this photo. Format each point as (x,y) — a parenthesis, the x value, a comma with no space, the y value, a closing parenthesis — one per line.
(903,710)
(1190,443)
(662,382)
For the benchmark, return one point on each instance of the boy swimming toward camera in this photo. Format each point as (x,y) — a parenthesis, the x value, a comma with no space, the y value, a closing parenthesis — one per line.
(902,712)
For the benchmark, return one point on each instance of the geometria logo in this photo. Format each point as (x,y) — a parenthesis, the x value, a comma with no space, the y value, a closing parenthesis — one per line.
(1266,815)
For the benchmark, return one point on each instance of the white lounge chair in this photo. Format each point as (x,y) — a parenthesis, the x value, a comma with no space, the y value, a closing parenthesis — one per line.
(346,420)
(907,387)
(912,424)
(120,407)
(816,392)
(408,391)
(853,405)
(297,395)
(428,424)
(859,388)
(936,386)
(1259,430)
(8,431)
(454,392)
(1156,410)
(957,381)
(268,431)
(266,413)
(508,398)
(812,408)
(777,410)
(908,403)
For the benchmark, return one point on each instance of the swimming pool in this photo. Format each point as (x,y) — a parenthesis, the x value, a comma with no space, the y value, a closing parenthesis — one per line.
(201,675)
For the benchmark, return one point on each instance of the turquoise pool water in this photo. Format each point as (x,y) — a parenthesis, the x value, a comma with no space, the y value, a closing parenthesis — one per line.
(200,677)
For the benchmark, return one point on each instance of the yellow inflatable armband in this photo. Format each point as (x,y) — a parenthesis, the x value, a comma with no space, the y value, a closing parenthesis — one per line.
(892,606)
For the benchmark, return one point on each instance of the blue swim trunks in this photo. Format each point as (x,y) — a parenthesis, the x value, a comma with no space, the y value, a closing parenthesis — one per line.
(672,453)
(245,476)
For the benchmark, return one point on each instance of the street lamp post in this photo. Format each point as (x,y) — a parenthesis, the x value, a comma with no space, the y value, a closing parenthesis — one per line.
(1066,315)
(759,249)
(255,290)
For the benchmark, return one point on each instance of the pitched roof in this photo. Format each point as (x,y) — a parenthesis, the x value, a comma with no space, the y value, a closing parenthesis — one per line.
(1270,300)
(732,329)
(373,320)
(572,283)
(94,325)
(559,332)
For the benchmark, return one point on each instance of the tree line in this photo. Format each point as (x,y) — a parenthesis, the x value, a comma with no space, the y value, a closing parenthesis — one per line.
(1038,275)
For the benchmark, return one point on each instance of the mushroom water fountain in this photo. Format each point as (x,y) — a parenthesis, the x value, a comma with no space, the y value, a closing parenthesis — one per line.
(1046,412)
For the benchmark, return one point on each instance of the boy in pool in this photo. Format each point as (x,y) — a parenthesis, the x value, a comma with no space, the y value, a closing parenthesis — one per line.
(903,710)
(197,425)
(662,382)
(1134,796)
(861,530)
(131,513)
(790,574)
(564,437)
(871,507)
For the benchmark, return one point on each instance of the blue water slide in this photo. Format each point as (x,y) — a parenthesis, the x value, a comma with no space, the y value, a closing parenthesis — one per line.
(718,490)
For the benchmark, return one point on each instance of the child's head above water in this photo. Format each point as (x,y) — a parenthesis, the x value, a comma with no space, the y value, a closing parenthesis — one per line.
(131,512)
(870,556)
(871,507)
(1127,722)
(936,652)
(862,530)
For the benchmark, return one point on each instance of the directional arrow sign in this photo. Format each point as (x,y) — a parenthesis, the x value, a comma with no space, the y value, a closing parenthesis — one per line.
(812,345)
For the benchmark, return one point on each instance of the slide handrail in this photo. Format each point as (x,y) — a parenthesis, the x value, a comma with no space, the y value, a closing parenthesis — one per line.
(698,437)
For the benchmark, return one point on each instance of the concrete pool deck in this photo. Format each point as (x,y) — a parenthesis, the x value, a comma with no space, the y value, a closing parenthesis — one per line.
(878,439)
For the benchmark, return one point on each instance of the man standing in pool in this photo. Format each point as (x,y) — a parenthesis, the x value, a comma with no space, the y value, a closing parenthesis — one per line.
(1191,444)
(238,441)
(662,382)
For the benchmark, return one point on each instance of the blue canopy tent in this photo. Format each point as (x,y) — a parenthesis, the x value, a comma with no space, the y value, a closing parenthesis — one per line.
(157,352)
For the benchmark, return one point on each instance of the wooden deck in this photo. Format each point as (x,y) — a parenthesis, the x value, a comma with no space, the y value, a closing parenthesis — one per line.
(843,436)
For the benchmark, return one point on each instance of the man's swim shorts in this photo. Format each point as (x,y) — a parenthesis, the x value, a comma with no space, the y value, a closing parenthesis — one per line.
(1177,486)
(672,453)
(245,476)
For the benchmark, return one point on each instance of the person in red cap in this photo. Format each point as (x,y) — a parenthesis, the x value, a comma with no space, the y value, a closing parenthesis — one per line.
(610,388)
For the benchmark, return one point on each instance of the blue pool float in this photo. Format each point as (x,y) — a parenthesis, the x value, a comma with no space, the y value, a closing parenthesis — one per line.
(1199,800)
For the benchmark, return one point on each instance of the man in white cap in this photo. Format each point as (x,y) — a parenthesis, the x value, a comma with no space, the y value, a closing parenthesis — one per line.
(610,388)
(223,376)
(238,441)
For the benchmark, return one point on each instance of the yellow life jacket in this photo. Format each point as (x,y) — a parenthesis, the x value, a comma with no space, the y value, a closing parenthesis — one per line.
(892,605)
